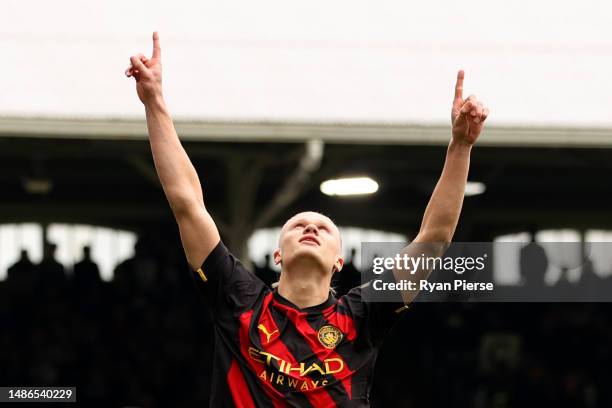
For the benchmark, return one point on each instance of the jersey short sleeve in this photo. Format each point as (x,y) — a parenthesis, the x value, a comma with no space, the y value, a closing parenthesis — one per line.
(227,285)
(373,320)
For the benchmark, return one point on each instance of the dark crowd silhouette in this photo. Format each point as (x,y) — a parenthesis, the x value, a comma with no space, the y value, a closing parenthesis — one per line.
(144,340)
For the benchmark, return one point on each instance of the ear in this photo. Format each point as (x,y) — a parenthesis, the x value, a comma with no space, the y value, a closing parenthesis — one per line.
(338,264)
(277,256)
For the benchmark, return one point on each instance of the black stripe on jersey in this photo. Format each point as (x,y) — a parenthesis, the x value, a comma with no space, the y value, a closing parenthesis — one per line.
(303,353)
(345,350)
(220,380)
(260,397)
(362,340)
(298,400)
(293,398)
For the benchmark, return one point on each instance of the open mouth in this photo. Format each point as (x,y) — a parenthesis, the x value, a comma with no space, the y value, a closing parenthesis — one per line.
(310,240)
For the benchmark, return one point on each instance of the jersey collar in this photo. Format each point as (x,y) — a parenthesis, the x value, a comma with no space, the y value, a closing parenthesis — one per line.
(312,309)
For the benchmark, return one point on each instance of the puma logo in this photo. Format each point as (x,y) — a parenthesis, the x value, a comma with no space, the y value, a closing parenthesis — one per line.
(266,332)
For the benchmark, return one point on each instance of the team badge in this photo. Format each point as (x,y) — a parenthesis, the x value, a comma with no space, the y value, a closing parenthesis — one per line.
(330,336)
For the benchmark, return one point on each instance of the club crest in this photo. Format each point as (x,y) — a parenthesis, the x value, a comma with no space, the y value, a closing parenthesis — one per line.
(330,336)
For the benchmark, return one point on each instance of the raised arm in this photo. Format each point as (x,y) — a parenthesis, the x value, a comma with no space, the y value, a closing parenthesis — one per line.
(442,213)
(178,177)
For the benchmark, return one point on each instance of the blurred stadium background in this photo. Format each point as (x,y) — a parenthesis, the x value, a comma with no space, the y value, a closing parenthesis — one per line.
(270,100)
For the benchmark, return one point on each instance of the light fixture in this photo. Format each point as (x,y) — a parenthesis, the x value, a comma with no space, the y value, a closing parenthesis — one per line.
(37,185)
(473,188)
(349,186)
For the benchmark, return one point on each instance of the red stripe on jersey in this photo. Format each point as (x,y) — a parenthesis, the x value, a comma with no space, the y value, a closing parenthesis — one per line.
(245,322)
(238,387)
(318,396)
(312,338)
(269,332)
(342,321)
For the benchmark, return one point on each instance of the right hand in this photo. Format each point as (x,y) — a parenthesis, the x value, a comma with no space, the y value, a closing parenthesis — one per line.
(147,72)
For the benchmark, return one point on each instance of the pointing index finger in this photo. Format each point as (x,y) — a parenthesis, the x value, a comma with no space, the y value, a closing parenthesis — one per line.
(459,85)
(156,46)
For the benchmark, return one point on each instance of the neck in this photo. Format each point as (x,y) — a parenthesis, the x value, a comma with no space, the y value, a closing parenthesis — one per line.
(304,288)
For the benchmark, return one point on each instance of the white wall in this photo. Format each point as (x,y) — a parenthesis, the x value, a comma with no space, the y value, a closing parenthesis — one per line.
(533,62)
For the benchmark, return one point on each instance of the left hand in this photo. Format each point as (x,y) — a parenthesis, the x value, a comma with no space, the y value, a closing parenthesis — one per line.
(467,116)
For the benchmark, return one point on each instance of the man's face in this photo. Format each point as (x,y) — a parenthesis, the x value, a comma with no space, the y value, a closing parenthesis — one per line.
(310,237)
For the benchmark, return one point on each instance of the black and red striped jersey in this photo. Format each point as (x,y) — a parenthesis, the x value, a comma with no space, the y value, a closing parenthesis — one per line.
(270,353)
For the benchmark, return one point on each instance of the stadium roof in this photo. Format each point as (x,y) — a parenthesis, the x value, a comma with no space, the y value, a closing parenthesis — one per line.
(295,132)
(113,182)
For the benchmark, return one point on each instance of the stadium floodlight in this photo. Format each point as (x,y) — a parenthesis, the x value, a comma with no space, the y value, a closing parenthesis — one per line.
(37,185)
(349,186)
(473,188)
